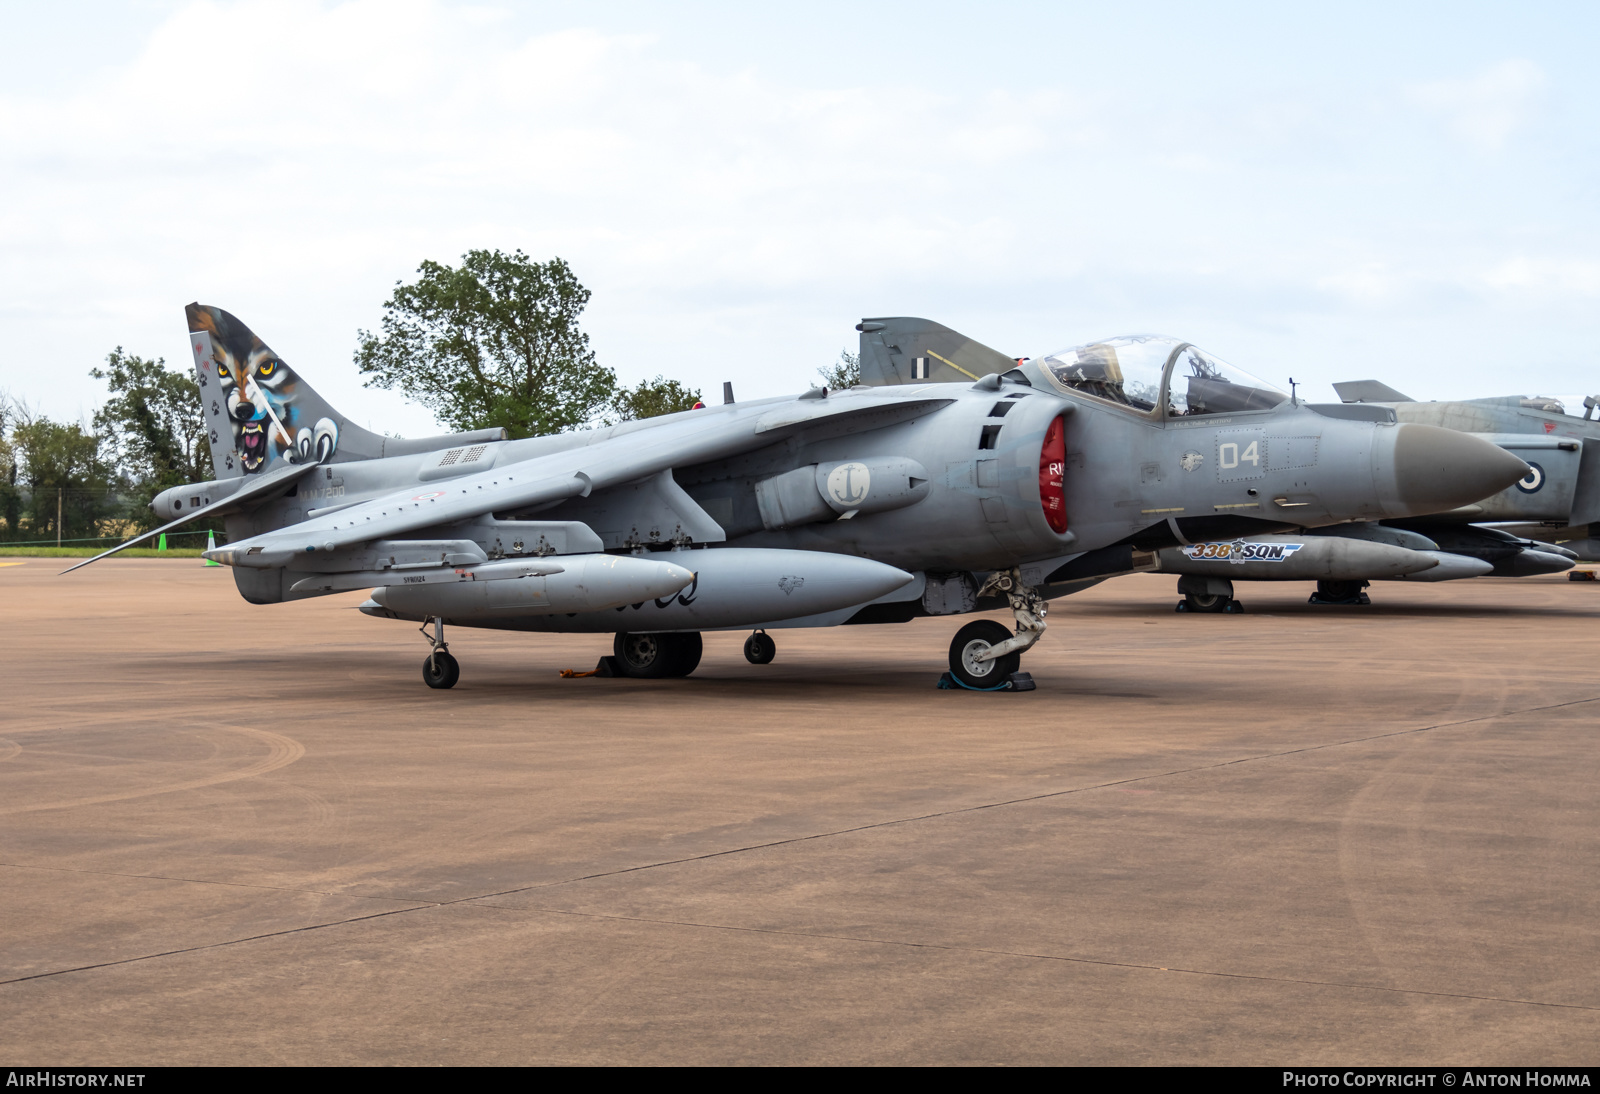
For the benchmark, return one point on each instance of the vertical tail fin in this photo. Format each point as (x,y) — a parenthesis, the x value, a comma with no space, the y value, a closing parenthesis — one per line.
(905,350)
(257,409)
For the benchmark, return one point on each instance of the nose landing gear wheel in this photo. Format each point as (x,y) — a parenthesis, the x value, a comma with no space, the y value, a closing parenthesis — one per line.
(440,670)
(974,639)
(760,649)
(655,656)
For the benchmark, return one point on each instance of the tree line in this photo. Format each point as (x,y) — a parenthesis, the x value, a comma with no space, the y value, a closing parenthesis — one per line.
(492,342)
(60,480)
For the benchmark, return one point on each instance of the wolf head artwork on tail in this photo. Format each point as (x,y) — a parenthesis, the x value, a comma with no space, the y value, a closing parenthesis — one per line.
(257,410)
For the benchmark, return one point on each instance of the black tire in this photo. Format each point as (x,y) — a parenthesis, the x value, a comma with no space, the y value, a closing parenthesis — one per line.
(440,670)
(656,656)
(760,649)
(975,638)
(683,653)
(1206,602)
(1340,591)
(641,656)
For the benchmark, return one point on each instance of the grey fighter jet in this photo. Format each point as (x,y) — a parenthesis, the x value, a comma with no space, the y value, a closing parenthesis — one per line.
(1557,501)
(998,485)
(1210,556)
(1540,524)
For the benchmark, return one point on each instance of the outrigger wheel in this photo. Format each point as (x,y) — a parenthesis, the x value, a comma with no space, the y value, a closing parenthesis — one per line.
(654,656)
(760,649)
(973,640)
(440,670)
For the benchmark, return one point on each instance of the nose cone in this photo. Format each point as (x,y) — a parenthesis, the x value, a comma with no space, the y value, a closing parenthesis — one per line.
(674,577)
(1438,469)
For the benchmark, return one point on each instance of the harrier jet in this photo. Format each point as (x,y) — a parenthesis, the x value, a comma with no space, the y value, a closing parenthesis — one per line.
(1505,534)
(994,486)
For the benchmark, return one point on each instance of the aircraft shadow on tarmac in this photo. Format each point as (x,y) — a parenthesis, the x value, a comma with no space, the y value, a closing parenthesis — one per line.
(1261,605)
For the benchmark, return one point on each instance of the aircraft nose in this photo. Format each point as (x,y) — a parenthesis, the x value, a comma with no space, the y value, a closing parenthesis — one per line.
(1438,469)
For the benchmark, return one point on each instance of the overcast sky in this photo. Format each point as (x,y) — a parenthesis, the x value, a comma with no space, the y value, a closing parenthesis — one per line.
(1402,192)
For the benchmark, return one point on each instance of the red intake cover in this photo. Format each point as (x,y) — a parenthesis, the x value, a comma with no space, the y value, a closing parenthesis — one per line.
(1052,473)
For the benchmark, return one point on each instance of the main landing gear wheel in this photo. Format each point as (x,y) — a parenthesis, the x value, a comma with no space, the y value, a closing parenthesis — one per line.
(1207,602)
(655,656)
(760,649)
(440,670)
(970,642)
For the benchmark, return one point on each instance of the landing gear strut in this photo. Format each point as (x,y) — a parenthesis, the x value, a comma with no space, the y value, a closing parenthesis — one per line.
(760,649)
(439,670)
(654,656)
(984,654)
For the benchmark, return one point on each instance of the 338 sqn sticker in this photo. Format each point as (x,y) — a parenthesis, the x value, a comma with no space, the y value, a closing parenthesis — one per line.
(1241,551)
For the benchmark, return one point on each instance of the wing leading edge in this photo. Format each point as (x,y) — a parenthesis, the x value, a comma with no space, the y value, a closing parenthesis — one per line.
(693,437)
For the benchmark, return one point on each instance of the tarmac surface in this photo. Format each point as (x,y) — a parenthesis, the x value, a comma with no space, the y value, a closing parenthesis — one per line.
(251,835)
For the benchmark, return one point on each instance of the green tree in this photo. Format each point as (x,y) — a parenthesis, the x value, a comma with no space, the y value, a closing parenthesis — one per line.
(152,428)
(65,475)
(846,373)
(653,398)
(10,496)
(492,342)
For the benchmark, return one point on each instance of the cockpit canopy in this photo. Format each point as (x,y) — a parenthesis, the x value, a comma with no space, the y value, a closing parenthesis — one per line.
(1130,370)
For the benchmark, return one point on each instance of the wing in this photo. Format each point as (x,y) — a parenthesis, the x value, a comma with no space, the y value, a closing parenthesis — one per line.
(625,455)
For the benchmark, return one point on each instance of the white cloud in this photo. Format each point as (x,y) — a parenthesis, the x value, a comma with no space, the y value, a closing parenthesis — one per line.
(1486,109)
(289,161)
(1550,277)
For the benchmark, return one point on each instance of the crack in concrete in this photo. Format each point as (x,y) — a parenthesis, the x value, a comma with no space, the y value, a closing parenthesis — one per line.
(1036,797)
(422,904)
(201,949)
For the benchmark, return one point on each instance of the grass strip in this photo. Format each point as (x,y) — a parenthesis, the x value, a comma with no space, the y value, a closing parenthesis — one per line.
(90,552)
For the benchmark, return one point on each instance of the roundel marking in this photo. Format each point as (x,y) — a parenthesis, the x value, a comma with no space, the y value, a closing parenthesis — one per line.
(848,484)
(1533,480)
(429,497)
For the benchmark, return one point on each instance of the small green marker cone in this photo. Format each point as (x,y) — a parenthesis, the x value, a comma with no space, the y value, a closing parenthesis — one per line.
(211,545)
(162,545)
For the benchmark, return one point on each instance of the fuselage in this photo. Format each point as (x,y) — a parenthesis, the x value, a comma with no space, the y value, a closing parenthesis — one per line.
(931,479)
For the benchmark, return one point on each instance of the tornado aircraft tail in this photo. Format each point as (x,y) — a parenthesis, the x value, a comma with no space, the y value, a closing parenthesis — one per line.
(907,350)
(259,410)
